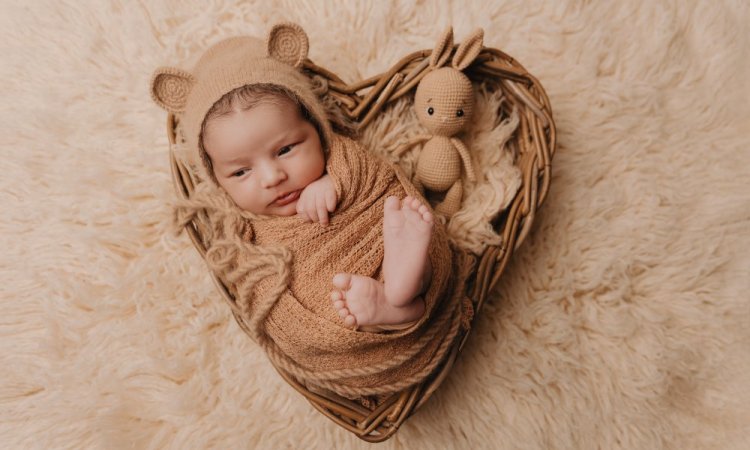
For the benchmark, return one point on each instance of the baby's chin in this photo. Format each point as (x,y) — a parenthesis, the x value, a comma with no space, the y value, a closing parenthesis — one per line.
(282,211)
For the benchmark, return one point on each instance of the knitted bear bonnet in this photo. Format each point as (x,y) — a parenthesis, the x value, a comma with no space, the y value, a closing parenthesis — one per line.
(231,64)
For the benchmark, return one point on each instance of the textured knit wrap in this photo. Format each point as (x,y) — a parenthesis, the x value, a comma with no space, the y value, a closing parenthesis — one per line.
(303,323)
(280,269)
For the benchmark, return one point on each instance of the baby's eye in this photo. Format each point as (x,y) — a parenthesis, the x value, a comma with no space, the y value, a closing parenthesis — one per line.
(460,113)
(241,172)
(430,110)
(285,149)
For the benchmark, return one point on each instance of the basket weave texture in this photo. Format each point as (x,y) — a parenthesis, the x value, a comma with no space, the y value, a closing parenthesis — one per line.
(376,420)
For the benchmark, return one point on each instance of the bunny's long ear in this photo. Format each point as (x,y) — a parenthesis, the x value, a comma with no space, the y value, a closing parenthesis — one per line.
(170,88)
(442,50)
(288,43)
(468,50)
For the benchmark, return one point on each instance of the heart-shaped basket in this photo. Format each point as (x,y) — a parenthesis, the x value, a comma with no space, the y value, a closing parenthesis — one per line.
(533,142)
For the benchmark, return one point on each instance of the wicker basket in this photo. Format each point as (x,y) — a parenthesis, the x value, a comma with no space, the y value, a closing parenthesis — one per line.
(534,142)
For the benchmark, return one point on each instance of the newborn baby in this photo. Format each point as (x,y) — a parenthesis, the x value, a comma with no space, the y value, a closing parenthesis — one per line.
(269,158)
(335,264)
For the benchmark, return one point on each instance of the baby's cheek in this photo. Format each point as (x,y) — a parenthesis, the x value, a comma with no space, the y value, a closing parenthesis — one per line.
(246,199)
(245,203)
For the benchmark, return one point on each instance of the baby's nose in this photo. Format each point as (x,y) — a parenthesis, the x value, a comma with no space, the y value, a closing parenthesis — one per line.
(273,176)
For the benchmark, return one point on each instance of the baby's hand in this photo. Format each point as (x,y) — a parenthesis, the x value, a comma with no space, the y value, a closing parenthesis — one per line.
(317,200)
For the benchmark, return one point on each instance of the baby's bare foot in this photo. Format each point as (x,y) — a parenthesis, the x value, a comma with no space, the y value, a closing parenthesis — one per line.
(361,301)
(407,230)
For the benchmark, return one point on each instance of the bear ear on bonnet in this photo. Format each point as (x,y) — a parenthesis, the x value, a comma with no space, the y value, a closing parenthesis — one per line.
(170,88)
(287,42)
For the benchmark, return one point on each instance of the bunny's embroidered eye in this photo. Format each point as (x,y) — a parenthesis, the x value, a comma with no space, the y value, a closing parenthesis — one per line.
(460,113)
(430,110)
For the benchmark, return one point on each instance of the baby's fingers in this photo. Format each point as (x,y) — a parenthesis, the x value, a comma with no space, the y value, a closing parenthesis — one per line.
(303,210)
(330,200)
(322,211)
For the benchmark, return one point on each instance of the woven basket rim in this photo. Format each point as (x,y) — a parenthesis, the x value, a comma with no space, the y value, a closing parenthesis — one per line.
(535,140)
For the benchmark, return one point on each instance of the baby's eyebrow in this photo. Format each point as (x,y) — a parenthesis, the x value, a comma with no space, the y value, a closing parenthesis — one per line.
(428,101)
(239,160)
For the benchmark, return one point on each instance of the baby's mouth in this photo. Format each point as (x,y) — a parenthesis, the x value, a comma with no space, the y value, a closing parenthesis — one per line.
(287,198)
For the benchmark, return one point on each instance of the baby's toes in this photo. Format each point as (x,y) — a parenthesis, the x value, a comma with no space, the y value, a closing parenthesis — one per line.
(426,214)
(350,321)
(339,303)
(419,206)
(392,203)
(343,281)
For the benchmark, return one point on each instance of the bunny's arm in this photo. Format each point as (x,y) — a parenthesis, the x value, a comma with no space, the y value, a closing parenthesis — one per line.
(411,143)
(465,157)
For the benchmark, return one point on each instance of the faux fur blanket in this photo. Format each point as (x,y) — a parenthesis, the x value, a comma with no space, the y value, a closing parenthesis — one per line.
(621,322)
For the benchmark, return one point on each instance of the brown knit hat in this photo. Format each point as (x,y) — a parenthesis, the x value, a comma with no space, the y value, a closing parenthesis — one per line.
(231,64)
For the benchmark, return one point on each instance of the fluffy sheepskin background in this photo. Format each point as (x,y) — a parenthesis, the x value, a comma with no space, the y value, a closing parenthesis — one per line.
(622,322)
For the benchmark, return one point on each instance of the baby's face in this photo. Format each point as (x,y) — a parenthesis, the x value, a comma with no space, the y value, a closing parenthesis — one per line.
(264,157)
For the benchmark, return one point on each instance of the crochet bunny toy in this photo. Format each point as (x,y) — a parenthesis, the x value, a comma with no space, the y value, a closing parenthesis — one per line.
(444,103)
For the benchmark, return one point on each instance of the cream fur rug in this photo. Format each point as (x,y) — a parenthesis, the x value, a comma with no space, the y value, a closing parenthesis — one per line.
(622,322)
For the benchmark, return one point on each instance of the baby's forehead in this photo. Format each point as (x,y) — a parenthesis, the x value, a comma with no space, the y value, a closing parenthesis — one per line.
(263,128)
(267,115)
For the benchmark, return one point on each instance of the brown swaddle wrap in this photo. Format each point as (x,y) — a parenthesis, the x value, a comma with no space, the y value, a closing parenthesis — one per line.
(303,324)
(278,269)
